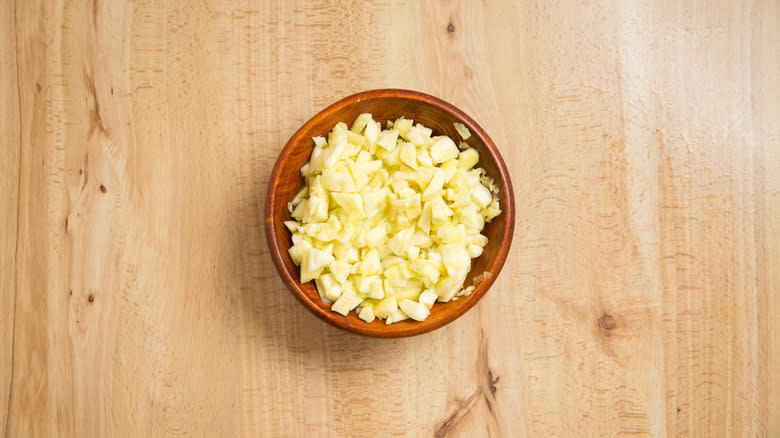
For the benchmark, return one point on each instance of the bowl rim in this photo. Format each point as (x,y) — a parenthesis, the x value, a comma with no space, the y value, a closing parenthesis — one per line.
(388,331)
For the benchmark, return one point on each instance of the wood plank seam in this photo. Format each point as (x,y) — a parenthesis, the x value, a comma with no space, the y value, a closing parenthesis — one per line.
(16,243)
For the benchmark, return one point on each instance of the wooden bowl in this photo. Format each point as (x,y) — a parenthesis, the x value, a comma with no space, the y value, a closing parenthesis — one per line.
(387,104)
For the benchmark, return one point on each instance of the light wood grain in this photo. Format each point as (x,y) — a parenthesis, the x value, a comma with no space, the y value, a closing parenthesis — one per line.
(641,295)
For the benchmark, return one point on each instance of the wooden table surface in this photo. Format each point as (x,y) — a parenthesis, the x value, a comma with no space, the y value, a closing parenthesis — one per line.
(641,296)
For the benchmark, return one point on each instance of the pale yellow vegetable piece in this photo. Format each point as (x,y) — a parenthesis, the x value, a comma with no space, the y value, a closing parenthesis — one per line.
(346,302)
(313,262)
(370,264)
(474,251)
(462,130)
(397,315)
(292,225)
(414,309)
(361,122)
(352,203)
(367,314)
(387,139)
(465,291)
(435,185)
(386,307)
(372,132)
(443,149)
(408,155)
(296,253)
(468,158)
(337,179)
(328,284)
(402,125)
(439,210)
(455,258)
(425,218)
(376,236)
(340,269)
(376,291)
(416,136)
(447,287)
(481,196)
(428,297)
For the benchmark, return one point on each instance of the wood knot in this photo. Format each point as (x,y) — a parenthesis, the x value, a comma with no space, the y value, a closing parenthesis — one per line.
(450,28)
(91,298)
(492,381)
(607,322)
(38,87)
(103,188)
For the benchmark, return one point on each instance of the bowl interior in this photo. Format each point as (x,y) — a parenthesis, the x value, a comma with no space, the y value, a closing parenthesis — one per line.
(387,105)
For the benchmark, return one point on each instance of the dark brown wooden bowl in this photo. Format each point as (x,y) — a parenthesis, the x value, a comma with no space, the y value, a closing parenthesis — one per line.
(387,104)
